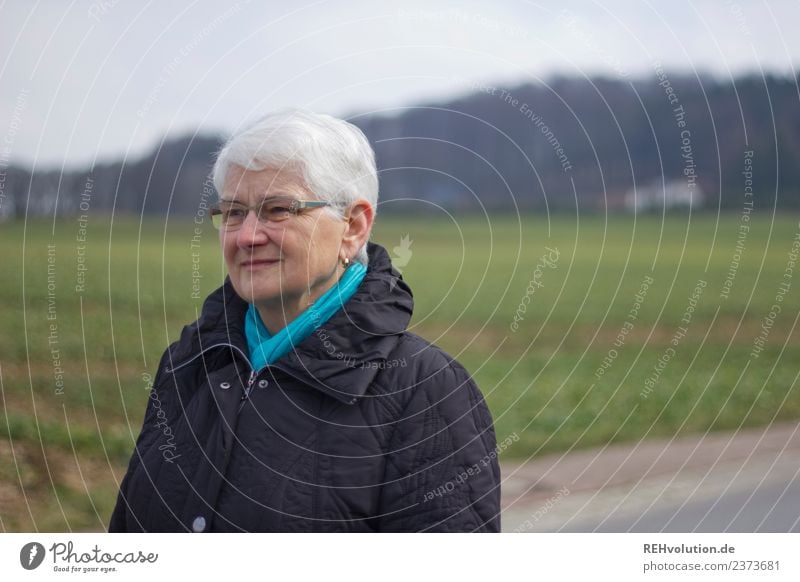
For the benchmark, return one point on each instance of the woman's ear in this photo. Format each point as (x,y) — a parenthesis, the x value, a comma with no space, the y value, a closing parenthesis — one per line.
(359,224)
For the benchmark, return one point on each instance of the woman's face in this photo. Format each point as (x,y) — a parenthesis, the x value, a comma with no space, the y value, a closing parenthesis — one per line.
(284,265)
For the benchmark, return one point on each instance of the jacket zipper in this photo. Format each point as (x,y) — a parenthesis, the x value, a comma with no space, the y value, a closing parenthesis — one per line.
(250,381)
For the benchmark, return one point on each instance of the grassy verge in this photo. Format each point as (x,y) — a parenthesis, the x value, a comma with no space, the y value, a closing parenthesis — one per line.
(540,311)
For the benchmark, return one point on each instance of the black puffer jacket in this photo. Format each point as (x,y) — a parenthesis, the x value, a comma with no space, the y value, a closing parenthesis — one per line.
(365,427)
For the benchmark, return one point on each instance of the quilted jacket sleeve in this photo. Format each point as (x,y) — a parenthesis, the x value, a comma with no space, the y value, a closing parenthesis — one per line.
(442,472)
(148,434)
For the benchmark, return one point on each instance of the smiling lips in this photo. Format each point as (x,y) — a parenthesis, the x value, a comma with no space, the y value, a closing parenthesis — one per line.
(258,263)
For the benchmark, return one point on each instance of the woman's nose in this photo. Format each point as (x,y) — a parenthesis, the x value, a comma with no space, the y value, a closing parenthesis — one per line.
(252,232)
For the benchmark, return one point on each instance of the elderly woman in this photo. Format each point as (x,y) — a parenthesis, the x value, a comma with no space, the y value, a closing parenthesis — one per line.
(298,401)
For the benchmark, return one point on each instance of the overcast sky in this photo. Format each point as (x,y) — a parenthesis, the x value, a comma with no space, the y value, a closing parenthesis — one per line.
(83,81)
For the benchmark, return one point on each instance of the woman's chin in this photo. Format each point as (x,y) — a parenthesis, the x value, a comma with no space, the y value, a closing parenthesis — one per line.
(252,290)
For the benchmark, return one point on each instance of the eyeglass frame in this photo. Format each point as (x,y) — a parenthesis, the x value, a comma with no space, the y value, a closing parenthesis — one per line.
(295,206)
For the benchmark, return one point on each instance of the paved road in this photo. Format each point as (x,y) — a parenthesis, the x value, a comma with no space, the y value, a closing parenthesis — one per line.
(774,507)
(735,482)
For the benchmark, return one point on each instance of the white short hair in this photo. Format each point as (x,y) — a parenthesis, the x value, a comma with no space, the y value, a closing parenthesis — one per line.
(333,157)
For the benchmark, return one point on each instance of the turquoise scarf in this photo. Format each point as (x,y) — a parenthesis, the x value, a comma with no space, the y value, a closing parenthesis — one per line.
(266,349)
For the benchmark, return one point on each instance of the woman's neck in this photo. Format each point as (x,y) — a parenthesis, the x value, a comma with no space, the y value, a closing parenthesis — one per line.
(281,312)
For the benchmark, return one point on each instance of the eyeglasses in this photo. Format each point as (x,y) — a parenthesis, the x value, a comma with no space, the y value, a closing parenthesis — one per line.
(227,215)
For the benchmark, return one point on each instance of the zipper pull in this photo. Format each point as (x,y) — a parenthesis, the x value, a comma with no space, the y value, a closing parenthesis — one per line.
(250,381)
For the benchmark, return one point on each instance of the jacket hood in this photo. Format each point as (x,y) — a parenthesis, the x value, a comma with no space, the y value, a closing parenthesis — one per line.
(342,356)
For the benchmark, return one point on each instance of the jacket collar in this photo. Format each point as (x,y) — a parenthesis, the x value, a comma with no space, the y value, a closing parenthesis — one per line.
(342,356)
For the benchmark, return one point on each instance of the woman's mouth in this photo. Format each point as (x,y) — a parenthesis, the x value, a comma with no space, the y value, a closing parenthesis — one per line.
(259,264)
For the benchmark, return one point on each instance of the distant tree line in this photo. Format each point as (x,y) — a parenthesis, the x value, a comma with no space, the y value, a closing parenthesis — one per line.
(564,145)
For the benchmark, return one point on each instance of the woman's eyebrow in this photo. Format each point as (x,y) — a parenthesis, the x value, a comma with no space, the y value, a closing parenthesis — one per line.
(271,197)
(279,194)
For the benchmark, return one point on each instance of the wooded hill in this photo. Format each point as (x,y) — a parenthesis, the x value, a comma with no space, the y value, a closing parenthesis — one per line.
(557,145)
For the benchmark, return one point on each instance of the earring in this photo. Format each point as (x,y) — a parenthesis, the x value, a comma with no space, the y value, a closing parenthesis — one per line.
(345,262)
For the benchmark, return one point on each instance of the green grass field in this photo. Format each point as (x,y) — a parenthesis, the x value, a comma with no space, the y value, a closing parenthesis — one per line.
(85,323)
